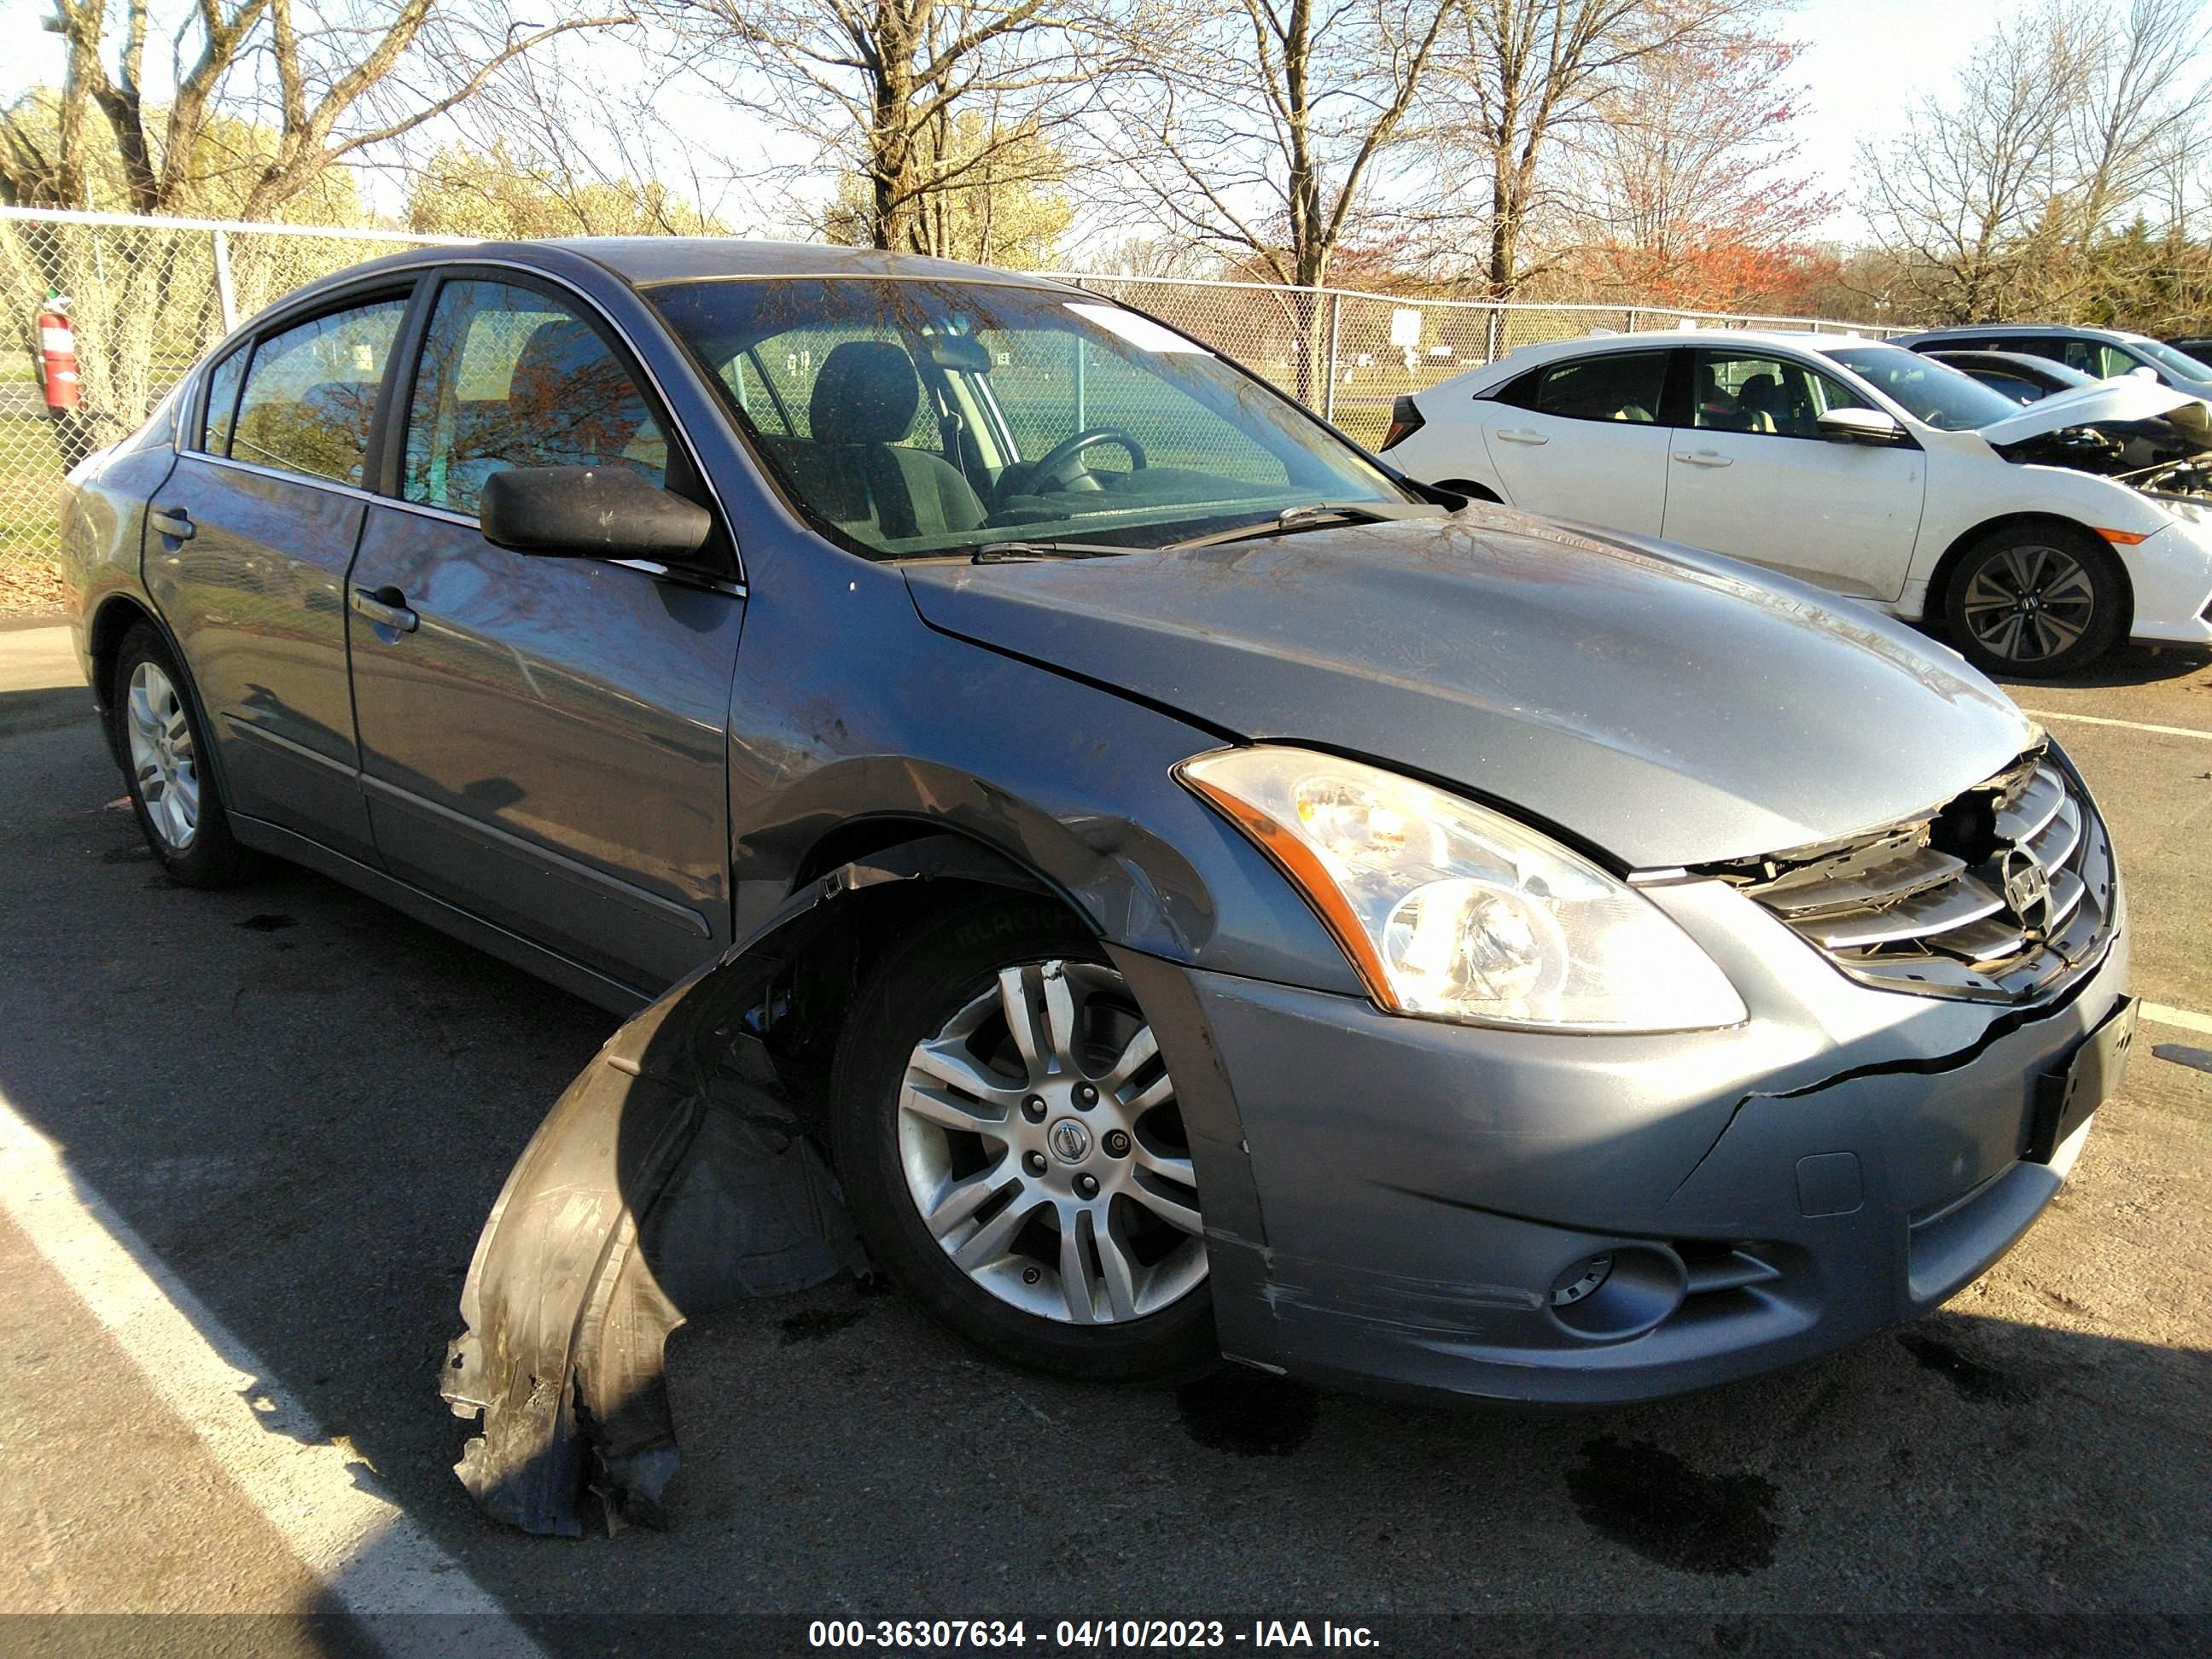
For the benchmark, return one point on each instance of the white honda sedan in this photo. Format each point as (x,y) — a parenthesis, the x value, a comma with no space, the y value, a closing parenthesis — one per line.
(2042,535)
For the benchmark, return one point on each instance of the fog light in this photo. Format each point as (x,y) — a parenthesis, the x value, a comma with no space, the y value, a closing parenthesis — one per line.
(1579,1280)
(1612,1295)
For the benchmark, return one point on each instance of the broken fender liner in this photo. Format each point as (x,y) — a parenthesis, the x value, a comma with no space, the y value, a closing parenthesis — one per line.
(673,1175)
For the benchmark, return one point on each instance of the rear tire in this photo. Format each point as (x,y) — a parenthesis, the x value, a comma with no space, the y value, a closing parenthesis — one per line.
(2036,601)
(1053,1231)
(173,794)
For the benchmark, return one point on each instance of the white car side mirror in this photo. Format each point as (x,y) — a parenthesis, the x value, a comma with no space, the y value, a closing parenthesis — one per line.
(1860,426)
(2143,372)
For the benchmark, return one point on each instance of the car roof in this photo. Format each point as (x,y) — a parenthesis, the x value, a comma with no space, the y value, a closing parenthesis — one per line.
(1984,331)
(645,260)
(1665,339)
(2004,359)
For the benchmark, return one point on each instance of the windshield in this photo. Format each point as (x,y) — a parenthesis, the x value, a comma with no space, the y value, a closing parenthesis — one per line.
(1931,393)
(917,419)
(2174,362)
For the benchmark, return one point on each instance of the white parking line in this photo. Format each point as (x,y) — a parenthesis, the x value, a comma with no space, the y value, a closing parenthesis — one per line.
(2132,726)
(2180,1018)
(375,1562)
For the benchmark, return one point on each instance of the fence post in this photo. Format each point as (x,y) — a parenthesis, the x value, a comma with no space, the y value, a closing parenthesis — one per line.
(225,296)
(1336,331)
(1491,333)
(1631,321)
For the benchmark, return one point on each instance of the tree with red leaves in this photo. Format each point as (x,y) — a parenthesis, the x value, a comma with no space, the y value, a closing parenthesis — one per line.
(1693,195)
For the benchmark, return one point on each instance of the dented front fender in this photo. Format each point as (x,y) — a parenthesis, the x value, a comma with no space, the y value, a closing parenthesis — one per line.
(675,1174)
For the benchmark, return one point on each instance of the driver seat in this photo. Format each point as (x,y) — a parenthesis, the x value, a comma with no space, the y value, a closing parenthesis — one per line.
(863,403)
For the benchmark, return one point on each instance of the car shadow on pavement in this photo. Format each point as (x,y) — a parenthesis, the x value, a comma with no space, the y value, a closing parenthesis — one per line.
(2129,665)
(306,1104)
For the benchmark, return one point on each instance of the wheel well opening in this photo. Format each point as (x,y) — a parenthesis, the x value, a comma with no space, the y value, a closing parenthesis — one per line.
(806,1010)
(113,620)
(1947,569)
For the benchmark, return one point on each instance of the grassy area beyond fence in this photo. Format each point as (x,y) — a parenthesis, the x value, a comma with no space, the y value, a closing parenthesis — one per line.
(149,296)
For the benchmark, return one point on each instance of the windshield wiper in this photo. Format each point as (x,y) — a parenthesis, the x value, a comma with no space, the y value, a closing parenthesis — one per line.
(1024,552)
(1316,515)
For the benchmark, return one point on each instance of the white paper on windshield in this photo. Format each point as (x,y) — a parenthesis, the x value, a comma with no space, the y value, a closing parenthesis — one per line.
(1141,332)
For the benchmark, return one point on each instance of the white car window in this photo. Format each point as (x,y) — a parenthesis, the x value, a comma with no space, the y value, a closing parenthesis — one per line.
(1762,392)
(1612,386)
(1933,393)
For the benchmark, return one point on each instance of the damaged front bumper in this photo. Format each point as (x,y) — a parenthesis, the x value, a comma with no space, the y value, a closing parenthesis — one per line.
(1596,1220)
(2170,576)
(1510,1215)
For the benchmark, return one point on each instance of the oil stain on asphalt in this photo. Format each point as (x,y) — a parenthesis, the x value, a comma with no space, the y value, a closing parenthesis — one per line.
(269,923)
(1651,1502)
(1248,1413)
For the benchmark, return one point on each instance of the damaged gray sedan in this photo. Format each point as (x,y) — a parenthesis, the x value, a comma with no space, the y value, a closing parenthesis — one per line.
(1153,881)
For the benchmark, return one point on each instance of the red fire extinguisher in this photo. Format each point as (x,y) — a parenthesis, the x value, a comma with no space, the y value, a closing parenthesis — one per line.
(57,348)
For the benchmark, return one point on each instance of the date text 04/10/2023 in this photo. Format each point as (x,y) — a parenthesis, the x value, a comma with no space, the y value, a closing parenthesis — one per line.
(1085,1634)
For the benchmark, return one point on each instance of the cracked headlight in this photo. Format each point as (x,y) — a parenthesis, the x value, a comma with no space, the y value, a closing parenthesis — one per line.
(1451,911)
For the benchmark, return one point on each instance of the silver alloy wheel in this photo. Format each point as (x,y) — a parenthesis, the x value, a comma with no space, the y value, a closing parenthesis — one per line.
(2029,604)
(162,760)
(1042,1147)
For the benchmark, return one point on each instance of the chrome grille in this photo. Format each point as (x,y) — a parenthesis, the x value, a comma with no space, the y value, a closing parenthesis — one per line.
(2003,894)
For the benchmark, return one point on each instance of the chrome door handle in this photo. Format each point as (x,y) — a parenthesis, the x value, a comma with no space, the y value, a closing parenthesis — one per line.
(174,522)
(386,606)
(1703,458)
(1524,437)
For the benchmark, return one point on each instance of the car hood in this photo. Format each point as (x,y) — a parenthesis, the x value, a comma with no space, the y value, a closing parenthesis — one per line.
(1665,706)
(2126,398)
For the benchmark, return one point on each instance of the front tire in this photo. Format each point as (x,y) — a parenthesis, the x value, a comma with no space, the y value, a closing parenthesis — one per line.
(1009,1144)
(173,794)
(2036,602)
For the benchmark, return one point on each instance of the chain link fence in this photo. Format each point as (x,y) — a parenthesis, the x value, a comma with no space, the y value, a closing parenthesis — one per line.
(1349,355)
(148,297)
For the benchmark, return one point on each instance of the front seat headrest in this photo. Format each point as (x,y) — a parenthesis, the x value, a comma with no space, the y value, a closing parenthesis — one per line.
(866,393)
(564,365)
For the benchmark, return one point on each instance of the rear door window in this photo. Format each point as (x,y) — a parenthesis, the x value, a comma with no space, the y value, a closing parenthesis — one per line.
(511,377)
(2095,357)
(309,396)
(1615,385)
(2090,356)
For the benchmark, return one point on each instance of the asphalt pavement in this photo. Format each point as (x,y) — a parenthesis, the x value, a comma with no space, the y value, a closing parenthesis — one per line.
(298,1106)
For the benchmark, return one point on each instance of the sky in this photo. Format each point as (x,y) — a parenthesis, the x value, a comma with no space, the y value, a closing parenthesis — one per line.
(1866,61)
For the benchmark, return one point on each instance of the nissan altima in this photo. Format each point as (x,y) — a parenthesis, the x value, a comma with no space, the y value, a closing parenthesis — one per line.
(1263,906)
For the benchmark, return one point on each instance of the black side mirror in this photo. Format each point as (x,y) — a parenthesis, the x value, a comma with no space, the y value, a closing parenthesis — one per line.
(1860,426)
(589,513)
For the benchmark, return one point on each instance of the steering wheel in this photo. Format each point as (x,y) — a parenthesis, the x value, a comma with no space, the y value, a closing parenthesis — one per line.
(1054,468)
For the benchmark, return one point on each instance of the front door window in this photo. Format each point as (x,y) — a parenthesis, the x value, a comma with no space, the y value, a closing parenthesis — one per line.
(512,378)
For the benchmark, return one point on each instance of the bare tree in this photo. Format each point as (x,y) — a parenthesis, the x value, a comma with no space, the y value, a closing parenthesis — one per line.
(2142,98)
(1526,75)
(2071,121)
(324,83)
(1262,129)
(923,100)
